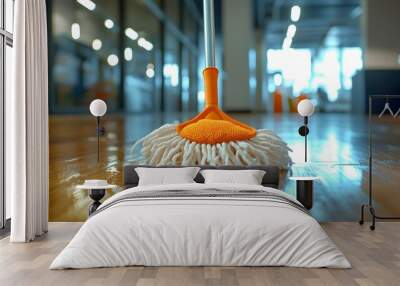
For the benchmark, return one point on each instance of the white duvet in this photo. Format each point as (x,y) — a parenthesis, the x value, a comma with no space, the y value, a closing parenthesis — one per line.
(200,231)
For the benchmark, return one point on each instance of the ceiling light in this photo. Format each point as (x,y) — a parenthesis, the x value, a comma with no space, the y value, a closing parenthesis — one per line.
(142,42)
(109,23)
(96,44)
(149,46)
(291,31)
(88,4)
(295,13)
(150,72)
(287,42)
(75,31)
(128,54)
(145,44)
(131,33)
(112,60)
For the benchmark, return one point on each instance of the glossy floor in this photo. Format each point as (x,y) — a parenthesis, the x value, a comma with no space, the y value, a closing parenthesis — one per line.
(338,152)
(374,257)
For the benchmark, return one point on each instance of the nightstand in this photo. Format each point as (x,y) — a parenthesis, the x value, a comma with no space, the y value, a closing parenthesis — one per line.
(304,190)
(97,190)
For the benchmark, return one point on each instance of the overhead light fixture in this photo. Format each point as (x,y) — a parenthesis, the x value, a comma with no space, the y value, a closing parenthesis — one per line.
(287,42)
(150,73)
(295,13)
(128,54)
(112,60)
(88,4)
(75,31)
(131,33)
(150,70)
(291,31)
(149,46)
(96,44)
(109,24)
(142,42)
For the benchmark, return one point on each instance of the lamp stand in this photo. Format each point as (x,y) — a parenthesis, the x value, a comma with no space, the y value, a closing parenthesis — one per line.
(98,137)
(305,138)
(303,131)
(100,131)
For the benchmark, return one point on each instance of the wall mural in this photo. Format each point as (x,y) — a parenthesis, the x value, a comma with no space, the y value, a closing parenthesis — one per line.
(210,138)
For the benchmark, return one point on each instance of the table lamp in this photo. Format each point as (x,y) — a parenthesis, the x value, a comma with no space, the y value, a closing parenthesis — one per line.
(98,108)
(305,108)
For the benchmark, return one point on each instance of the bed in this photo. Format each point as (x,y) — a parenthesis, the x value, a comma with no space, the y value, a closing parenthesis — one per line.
(201,224)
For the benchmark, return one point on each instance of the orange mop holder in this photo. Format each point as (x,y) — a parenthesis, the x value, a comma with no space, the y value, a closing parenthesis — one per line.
(212,125)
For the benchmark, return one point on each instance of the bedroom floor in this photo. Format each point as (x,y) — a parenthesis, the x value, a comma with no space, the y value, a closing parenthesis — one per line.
(338,152)
(375,257)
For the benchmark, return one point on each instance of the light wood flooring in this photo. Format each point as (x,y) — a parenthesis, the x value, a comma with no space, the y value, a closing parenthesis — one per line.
(338,152)
(375,257)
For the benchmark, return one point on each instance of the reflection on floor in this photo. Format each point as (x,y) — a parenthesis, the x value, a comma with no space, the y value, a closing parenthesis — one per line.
(374,257)
(338,152)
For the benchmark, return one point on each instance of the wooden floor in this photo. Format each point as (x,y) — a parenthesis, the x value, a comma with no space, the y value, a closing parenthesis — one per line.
(375,257)
(338,151)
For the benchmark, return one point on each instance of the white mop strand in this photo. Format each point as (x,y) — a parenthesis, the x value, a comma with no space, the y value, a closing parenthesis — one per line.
(164,146)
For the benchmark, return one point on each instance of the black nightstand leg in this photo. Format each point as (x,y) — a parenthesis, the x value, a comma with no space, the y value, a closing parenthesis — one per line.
(96,195)
(304,193)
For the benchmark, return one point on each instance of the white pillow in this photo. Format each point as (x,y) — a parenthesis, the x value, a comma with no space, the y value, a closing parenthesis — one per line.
(248,177)
(166,176)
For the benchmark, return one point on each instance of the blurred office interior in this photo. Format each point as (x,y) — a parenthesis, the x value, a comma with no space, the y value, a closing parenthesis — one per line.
(148,55)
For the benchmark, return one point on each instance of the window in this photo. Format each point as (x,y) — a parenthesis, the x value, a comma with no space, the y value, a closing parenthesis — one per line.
(138,56)
(290,68)
(334,69)
(86,62)
(305,70)
(6,43)
(142,66)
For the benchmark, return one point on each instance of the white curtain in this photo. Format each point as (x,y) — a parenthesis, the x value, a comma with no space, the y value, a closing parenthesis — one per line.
(27,124)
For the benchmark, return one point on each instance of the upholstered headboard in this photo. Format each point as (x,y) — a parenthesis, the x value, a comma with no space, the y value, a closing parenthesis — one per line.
(271,177)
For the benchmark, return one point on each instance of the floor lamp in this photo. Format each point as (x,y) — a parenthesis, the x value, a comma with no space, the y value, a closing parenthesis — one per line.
(304,185)
(98,108)
(305,108)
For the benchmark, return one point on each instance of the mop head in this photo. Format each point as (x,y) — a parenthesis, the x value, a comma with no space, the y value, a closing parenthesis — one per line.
(212,138)
(164,146)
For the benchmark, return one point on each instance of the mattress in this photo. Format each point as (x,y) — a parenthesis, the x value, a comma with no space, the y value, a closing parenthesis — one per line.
(201,225)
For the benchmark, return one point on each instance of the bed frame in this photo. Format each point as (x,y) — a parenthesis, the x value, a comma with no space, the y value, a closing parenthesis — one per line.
(270,179)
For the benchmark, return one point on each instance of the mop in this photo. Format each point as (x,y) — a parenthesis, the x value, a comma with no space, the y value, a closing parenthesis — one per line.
(212,137)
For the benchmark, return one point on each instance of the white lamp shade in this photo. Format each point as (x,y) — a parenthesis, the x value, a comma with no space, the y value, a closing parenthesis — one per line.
(305,107)
(98,107)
